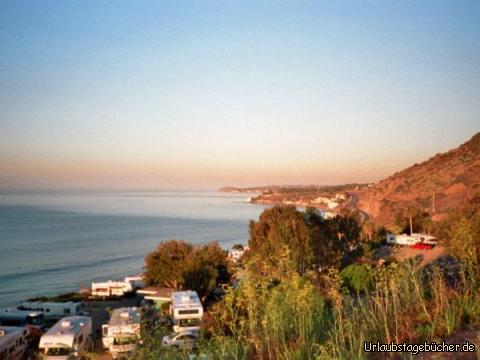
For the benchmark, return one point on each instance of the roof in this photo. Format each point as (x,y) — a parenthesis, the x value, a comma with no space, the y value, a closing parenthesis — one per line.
(414,235)
(111,283)
(124,316)
(47,304)
(64,331)
(156,293)
(134,278)
(16,313)
(186,299)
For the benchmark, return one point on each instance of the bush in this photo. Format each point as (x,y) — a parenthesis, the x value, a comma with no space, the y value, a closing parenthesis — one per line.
(358,277)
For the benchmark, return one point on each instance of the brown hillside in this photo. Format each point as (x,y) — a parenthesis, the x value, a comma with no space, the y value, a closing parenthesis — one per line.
(442,182)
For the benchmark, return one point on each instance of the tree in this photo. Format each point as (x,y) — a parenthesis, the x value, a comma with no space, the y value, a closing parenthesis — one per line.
(326,247)
(277,227)
(180,265)
(332,239)
(348,229)
(164,266)
(419,220)
(207,267)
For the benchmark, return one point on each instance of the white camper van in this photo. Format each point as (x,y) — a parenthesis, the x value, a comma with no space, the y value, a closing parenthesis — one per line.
(413,239)
(69,338)
(14,342)
(187,311)
(52,309)
(111,288)
(121,334)
(15,317)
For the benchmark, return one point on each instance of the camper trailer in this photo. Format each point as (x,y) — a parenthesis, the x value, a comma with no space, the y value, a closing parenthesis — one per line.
(111,288)
(14,342)
(69,338)
(412,240)
(121,334)
(52,309)
(16,317)
(187,311)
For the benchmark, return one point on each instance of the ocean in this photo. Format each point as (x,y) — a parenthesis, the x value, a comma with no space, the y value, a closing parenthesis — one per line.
(55,242)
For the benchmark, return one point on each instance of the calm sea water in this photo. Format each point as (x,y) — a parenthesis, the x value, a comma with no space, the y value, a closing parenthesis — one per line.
(52,242)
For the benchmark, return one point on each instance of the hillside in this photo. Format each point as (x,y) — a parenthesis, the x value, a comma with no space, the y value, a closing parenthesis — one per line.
(436,185)
(324,197)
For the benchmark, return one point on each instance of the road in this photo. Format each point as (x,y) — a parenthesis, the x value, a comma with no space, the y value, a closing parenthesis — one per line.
(353,205)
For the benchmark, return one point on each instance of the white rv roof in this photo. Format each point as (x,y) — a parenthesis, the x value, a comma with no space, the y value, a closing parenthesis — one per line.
(110,283)
(47,304)
(16,312)
(133,278)
(64,331)
(423,235)
(185,299)
(124,316)
(7,332)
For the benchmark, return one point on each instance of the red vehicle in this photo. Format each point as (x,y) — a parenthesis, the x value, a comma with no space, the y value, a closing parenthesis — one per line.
(421,246)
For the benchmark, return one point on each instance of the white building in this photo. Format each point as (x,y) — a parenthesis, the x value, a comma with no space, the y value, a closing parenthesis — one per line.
(327,214)
(332,204)
(321,200)
(111,288)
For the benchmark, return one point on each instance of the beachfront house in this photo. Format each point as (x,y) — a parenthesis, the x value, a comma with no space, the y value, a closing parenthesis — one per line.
(111,288)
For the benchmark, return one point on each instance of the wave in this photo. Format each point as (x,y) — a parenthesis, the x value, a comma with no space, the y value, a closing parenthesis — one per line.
(67,267)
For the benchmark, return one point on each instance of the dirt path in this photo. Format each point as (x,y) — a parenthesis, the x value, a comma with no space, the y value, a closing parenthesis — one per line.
(428,256)
(353,205)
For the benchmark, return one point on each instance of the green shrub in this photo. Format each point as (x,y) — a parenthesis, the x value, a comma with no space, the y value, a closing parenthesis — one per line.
(358,277)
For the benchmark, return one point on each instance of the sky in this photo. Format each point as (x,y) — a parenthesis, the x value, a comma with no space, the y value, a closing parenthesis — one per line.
(201,94)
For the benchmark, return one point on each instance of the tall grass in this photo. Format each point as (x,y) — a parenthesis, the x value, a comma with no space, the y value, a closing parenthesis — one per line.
(403,308)
(288,317)
(266,318)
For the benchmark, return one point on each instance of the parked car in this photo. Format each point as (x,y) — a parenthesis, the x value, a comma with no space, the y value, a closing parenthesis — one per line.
(183,340)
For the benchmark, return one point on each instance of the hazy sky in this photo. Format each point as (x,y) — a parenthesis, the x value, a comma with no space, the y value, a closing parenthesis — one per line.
(199,94)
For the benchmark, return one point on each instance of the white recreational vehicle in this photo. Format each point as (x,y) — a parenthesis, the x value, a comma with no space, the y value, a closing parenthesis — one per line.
(187,311)
(413,239)
(14,342)
(121,334)
(111,288)
(16,317)
(69,338)
(52,309)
